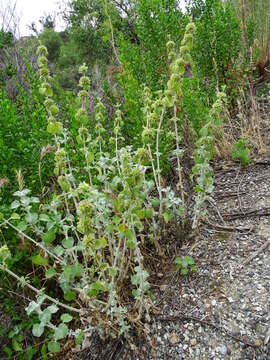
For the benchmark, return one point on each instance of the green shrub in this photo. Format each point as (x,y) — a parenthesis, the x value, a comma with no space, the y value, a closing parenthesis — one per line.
(240,151)
(217,43)
(53,41)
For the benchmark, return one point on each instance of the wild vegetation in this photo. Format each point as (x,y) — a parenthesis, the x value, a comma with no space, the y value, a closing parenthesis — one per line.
(110,133)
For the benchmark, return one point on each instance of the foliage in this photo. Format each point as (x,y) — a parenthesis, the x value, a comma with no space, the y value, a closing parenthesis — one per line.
(53,41)
(90,230)
(204,153)
(89,29)
(6,38)
(97,162)
(241,151)
(22,134)
(156,23)
(145,59)
(17,334)
(257,12)
(217,44)
(186,264)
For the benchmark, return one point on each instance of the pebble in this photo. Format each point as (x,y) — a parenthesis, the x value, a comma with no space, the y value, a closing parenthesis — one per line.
(223,350)
(186,337)
(193,342)
(159,339)
(174,338)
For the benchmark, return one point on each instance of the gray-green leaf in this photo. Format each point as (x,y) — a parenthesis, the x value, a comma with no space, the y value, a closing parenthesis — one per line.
(38,330)
(50,273)
(61,332)
(66,318)
(68,243)
(52,309)
(53,346)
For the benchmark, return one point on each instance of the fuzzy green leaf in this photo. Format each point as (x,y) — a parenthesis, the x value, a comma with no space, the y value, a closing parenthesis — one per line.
(69,295)
(54,346)
(79,338)
(50,273)
(52,309)
(38,330)
(68,243)
(15,216)
(61,332)
(66,318)
(39,260)
(100,243)
(49,236)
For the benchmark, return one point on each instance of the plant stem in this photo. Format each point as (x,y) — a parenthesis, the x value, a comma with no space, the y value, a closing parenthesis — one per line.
(39,292)
(158,160)
(35,242)
(178,157)
(87,162)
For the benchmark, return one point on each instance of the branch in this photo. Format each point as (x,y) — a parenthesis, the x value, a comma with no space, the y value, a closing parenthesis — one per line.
(39,292)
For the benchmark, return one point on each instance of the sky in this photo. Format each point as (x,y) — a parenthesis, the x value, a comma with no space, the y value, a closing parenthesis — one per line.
(29,11)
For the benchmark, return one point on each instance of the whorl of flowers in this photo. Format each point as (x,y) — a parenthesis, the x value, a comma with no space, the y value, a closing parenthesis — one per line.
(54,127)
(100,117)
(84,83)
(178,61)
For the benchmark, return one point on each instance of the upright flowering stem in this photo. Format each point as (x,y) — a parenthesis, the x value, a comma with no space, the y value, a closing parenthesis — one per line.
(158,159)
(117,126)
(174,93)
(178,150)
(82,114)
(148,136)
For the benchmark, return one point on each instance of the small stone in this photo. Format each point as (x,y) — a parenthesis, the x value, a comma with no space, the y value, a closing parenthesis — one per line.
(223,350)
(214,302)
(198,351)
(159,340)
(200,330)
(163,287)
(160,275)
(193,342)
(174,338)
(185,347)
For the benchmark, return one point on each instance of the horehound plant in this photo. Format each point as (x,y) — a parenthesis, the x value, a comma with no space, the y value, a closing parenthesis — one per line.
(204,153)
(155,112)
(174,94)
(87,237)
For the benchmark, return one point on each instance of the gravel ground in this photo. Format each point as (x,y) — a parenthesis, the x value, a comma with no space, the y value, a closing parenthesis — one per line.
(223,311)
